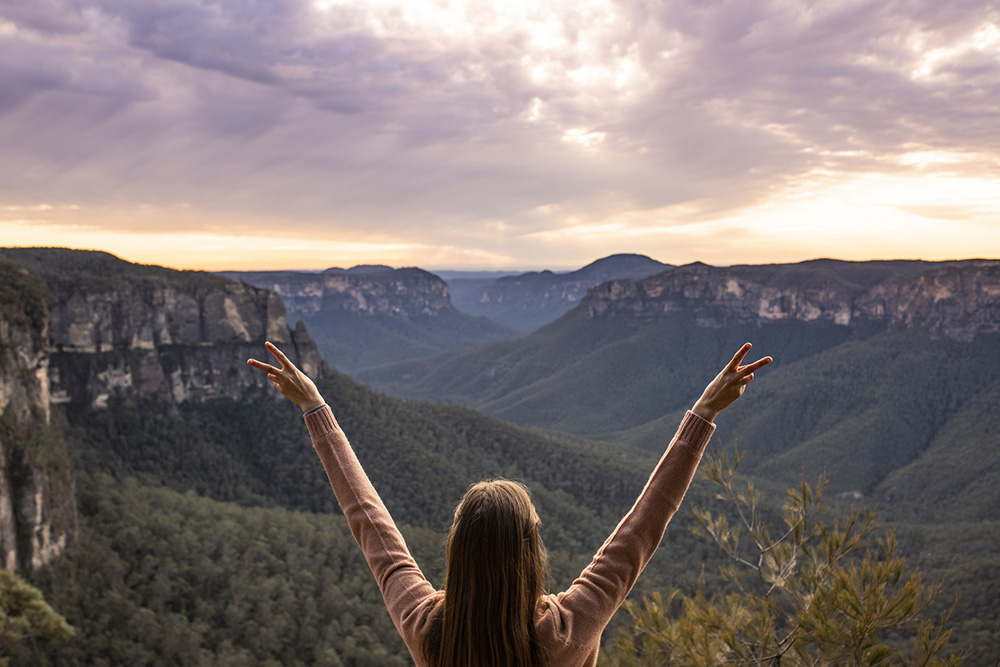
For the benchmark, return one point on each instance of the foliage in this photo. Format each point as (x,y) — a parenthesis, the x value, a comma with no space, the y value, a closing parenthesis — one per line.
(24,302)
(159,577)
(25,615)
(420,456)
(98,271)
(812,593)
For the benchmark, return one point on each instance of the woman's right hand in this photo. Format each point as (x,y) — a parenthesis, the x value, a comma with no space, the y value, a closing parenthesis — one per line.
(728,385)
(290,381)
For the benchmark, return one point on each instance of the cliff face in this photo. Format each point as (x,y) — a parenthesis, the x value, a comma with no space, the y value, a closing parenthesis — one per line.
(118,328)
(37,506)
(956,300)
(372,290)
(179,342)
(82,327)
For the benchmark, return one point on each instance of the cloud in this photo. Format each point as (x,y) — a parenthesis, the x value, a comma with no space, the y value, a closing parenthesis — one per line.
(428,121)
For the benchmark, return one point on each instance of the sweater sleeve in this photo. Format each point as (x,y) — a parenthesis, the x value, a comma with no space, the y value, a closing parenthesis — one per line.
(586,607)
(405,589)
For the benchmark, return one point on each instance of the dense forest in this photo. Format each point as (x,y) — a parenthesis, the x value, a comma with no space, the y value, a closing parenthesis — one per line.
(208,533)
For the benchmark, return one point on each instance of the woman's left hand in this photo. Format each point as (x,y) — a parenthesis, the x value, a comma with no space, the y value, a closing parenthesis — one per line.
(728,385)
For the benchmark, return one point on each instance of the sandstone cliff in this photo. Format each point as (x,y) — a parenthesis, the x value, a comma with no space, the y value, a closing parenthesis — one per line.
(37,498)
(121,329)
(370,290)
(956,299)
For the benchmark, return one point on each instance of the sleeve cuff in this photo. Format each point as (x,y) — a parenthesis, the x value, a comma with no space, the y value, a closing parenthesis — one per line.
(316,409)
(320,421)
(695,431)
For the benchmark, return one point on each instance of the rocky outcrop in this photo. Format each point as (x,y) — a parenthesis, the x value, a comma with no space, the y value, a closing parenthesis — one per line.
(371,290)
(956,299)
(177,342)
(37,500)
(373,315)
(84,327)
(123,329)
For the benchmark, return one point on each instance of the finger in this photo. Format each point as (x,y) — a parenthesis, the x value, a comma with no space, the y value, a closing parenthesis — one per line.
(760,363)
(745,380)
(278,354)
(262,366)
(738,357)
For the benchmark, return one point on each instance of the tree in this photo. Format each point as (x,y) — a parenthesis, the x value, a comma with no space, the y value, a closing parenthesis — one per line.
(817,594)
(24,613)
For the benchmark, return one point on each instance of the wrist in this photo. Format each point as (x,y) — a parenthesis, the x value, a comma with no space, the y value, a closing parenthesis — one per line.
(705,412)
(312,404)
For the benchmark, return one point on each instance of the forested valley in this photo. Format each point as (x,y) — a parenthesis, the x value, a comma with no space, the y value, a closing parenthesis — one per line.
(182,518)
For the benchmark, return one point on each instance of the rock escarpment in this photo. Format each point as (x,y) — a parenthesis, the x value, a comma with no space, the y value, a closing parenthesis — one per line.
(956,300)
(371,290)
(37,498)
(121,329)
(85,327)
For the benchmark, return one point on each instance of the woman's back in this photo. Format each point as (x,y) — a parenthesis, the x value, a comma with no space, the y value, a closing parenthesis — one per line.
(567,626)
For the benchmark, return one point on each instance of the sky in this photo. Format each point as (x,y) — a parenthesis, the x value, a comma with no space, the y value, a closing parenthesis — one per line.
(506,134)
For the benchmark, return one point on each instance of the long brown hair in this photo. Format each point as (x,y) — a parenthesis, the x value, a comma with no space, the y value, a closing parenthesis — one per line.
(495,577)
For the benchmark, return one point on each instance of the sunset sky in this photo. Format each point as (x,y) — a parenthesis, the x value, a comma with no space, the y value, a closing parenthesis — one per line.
(500,134)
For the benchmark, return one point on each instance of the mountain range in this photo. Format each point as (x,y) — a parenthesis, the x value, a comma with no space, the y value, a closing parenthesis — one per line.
(527,301)
(189,473)
(160,443)
(372,315)
(884,361)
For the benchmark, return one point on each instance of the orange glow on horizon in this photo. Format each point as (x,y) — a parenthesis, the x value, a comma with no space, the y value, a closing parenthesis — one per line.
(860,217)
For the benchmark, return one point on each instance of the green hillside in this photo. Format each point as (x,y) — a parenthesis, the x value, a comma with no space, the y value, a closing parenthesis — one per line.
(354,340)
(257,453)
(865,409)
(595,377)
(880,412)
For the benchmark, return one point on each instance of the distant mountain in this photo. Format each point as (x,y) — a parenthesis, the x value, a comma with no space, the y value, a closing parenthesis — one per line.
(882,355)
(531,300)
(373,315)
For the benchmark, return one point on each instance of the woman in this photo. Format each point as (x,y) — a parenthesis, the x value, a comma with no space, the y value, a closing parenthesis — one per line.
(493,610)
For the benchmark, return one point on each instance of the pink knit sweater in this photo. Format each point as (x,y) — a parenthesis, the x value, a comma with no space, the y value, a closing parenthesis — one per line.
(570,623)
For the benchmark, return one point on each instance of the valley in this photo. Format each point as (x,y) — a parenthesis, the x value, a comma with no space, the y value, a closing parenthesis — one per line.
(203,531)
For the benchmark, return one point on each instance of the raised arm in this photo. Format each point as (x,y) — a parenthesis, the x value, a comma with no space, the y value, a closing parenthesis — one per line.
(590,602)
(403,585)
